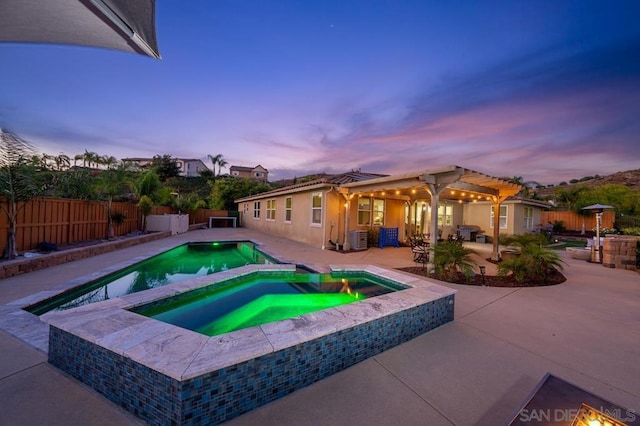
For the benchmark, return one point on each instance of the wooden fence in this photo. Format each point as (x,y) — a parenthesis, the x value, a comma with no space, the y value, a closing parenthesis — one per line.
(65,221)
(573,221)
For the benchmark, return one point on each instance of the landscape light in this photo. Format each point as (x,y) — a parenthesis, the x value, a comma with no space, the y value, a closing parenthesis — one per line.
(482,271)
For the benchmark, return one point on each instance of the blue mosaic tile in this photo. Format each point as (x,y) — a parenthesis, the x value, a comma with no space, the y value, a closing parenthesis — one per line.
(223,394)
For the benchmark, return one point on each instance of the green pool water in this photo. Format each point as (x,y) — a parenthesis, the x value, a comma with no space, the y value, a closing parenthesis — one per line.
(263,298)
(178,264)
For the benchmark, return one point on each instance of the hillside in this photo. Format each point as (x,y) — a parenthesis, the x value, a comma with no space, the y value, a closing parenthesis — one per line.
(629,178)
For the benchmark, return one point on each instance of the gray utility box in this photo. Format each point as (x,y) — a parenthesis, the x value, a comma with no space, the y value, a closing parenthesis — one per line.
(358,240)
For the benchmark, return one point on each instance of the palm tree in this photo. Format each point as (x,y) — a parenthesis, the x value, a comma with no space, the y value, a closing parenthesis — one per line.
(221,163)
(18,183)
(79,157)
(89,158)
(217,160)
(534,264)
(111,183)
(451,257)
(45,161)
(62,161)
(109,161)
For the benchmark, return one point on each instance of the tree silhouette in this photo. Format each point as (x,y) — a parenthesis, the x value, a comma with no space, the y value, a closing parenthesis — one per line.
(217,160)
(18,183)
(165,167)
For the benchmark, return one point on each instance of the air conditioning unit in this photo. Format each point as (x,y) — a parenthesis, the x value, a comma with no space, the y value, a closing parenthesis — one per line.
(358,240)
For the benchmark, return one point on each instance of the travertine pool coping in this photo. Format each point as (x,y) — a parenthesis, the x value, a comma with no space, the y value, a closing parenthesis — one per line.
(184,354)
(18,322)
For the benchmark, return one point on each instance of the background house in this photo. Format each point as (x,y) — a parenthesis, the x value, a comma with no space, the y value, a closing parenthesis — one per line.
(258,172)
(189,167)
(517,216)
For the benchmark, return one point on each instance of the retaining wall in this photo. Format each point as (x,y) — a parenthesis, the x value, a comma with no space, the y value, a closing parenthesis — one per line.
(11,268)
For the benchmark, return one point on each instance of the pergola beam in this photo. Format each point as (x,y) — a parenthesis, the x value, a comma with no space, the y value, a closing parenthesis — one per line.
(384,186)
(475,188)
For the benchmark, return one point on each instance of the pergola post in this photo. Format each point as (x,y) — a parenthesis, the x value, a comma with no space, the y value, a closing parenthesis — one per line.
(434,191)
(497,201)
(435,185)
(412,216)
(347,209)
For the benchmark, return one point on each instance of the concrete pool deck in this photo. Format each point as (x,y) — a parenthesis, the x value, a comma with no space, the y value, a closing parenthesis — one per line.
(473,371)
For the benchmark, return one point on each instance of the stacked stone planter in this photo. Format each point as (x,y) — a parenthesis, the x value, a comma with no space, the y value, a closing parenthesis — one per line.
(620,252)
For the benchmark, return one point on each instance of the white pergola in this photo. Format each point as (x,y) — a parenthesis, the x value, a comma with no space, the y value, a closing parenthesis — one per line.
(409,187)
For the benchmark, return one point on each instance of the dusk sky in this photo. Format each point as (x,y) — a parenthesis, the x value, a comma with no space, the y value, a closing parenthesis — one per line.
(546,90)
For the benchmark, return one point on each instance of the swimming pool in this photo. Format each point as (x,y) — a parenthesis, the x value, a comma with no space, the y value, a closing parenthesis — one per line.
(178,264)
(251,301)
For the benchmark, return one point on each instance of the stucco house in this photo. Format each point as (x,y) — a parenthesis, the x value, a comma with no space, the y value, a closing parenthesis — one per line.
(189,167)
(258,172)
(331,210)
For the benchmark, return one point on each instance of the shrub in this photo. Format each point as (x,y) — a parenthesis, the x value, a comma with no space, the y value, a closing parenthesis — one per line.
(606,231)
(145,204)
(558,226)
(118,218)
(535,264)
(201,204)
(634,230)
(451,257)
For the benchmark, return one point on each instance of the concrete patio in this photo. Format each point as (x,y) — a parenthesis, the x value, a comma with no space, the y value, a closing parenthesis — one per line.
(473,371)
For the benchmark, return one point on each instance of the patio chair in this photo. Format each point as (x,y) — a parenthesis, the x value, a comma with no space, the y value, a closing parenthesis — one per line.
(420,250)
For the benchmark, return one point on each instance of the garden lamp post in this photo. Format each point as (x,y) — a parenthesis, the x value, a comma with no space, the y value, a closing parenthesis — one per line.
(596,251)
(482,271)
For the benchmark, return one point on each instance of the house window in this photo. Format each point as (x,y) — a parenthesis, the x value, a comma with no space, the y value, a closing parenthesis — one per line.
(364,211)
(256,209)
(503,217)
(445,215)
(287,209)
(271,209)
(378,212)
(528,218)
(316,208)
(368,208)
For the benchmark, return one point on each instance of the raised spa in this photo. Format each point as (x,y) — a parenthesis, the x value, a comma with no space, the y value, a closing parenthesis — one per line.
(256,300)
(168,374)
